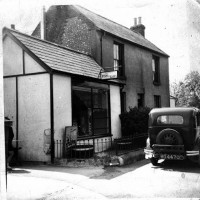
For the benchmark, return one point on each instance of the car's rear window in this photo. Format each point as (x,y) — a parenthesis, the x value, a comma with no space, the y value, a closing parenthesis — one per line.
(170,119)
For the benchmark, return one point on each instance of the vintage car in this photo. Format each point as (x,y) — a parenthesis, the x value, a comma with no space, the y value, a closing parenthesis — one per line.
(173,134)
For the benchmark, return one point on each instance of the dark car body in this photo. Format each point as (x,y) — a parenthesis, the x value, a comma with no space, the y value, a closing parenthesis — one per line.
(173,133)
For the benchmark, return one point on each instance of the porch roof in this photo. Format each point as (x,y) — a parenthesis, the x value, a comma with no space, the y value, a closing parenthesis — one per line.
(57,57)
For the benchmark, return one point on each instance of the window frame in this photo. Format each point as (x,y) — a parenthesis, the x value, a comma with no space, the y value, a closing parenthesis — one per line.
(156,69)
(157,100)
(120,59)
(93,108)
(173,120)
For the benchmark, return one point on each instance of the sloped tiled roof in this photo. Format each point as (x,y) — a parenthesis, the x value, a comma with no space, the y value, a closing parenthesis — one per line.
(59,58)
(118,30)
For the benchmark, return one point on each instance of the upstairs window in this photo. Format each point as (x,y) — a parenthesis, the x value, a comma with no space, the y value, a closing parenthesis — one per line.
(118,58)
(156,70)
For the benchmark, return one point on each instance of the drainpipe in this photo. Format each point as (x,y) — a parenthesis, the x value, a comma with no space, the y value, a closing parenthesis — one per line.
(52,118)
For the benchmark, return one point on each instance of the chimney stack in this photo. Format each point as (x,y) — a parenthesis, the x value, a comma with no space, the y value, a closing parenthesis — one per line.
(138,28)
(43,24)
(13,26)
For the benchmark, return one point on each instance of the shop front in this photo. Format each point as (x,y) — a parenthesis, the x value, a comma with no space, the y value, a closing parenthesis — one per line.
(48,91)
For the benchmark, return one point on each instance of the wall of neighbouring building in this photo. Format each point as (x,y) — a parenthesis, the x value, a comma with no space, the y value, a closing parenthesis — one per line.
(10,100)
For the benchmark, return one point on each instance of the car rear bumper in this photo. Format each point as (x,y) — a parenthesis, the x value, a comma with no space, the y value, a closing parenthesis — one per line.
(175,150)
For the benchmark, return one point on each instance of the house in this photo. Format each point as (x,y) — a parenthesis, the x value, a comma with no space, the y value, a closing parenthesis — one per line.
(141,65)
(48,87)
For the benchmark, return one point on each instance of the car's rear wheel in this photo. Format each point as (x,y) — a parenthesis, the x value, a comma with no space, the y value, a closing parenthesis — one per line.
(169,137)
(154,161)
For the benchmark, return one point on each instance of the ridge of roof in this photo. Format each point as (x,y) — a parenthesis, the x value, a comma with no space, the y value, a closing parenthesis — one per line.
(105,18)
(78,7)
(45,41)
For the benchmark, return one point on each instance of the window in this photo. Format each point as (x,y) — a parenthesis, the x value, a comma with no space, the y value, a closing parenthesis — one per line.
(156,70)
(140,100)
(90,110)
(118,58)
(170,119)
(157,101)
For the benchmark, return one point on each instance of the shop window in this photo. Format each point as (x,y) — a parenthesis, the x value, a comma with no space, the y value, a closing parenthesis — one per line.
(118,52)
(90,110)
(157,101)
(140,100)
(156,70)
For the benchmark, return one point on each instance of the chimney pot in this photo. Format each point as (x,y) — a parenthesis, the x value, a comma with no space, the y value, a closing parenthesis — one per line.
(135,21)
(13,26)
(139,20)
(139,28)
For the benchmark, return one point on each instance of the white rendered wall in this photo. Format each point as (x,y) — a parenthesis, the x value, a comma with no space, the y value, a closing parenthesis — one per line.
(31,66)
(62,104)
(34,115)
(115,107)
(2,137)
(12,58)
(10,100)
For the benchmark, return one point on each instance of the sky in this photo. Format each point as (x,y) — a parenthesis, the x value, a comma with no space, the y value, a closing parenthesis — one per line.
(26,13)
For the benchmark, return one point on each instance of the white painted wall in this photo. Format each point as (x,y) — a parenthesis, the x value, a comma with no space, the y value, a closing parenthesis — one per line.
(2,136)
(34,115)
(115,106)
(172,102)
(62,104)
(10,100)
(31,66)
(12,58)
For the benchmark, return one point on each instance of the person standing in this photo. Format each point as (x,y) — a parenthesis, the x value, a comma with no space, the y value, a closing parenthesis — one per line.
(9,135)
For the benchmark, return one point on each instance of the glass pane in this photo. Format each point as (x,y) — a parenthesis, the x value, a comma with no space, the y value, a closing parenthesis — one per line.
(170,119)
(100,111)
(116,51)
(81,110)
(153,65)
(90,110)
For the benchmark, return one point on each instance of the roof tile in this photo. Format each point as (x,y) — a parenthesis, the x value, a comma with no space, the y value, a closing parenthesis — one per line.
(60,58)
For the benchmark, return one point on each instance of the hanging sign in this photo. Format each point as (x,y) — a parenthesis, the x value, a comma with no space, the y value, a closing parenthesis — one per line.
(109,75)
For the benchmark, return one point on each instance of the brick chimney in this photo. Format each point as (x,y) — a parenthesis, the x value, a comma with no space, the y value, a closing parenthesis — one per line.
(13,26)
(138,27)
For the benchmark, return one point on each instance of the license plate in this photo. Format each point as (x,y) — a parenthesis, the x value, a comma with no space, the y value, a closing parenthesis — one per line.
(172,157)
